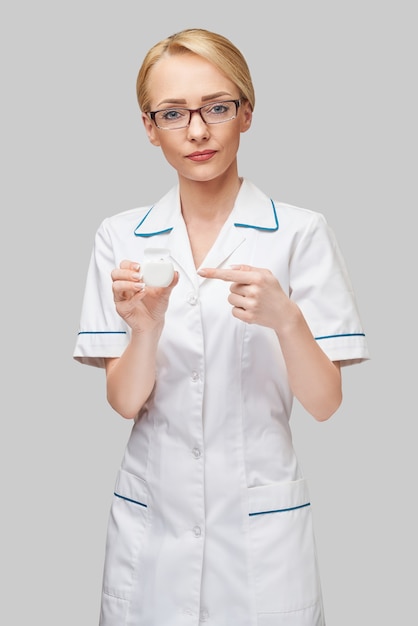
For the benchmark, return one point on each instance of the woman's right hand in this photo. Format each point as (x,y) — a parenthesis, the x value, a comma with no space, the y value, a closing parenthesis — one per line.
(142,307)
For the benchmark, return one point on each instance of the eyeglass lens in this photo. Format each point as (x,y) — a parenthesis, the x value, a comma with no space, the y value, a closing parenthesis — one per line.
(213,113)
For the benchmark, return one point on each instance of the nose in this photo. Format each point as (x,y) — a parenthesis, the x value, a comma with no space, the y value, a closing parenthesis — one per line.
(197,129)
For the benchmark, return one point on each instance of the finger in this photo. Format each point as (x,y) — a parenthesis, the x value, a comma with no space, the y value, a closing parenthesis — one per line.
(175,280)
(125,274)
(247,268)
(237,274)
(124,290)
(237,301)
(129,265)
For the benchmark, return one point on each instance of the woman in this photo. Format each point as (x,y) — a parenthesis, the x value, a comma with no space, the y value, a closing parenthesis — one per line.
(211,518)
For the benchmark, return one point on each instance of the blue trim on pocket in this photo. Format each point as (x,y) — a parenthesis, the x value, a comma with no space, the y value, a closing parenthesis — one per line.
(292,508)
(130,500)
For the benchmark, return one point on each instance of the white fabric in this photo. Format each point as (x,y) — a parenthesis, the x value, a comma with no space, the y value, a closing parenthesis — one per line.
(211,521)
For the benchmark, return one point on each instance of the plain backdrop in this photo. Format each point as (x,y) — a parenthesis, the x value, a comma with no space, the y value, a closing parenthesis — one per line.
(335,131)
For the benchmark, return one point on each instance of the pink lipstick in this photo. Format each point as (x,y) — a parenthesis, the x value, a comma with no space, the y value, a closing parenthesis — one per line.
(205,155)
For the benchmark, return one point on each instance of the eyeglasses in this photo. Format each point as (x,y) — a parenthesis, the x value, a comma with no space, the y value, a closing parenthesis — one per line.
(213,113)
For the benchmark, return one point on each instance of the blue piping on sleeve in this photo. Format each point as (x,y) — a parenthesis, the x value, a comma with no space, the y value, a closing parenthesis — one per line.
(102,332)
(342,335)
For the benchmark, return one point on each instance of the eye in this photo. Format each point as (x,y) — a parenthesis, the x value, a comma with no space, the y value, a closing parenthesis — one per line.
(218,108)
(172,115)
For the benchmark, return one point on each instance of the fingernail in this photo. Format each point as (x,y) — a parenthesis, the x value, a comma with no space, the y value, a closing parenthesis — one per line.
(202,272)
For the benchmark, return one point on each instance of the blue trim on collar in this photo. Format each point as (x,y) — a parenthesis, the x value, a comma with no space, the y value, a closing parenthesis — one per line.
(158,232)
(260,227)
(236,224)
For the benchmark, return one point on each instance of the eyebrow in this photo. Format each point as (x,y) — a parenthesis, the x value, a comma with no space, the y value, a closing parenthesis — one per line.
(208,98)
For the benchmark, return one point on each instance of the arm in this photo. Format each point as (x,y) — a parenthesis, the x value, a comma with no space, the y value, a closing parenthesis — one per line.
(257,298)
(131,377)
(313,378)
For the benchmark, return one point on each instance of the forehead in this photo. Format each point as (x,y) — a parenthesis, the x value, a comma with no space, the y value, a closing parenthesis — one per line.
(187,78)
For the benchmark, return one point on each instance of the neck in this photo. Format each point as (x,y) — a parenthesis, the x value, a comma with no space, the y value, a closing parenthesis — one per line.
(209,200)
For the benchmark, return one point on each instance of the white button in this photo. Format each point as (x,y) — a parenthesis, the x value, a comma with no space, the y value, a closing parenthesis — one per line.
(197,531)
(192,299)
(204,615)
(196,453)
(195,376)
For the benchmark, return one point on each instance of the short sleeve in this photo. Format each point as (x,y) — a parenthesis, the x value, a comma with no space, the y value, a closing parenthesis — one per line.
(321,286)
(102,332)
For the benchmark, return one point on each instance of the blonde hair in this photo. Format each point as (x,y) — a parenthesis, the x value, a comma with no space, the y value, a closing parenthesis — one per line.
(208,45)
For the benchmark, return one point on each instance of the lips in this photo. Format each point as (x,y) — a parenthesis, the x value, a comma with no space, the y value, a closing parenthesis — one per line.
(205,155)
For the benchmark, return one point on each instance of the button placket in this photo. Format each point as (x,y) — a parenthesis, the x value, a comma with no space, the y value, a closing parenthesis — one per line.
(192,299)
(197,531)
(196,453)
(204,615)
(195,520)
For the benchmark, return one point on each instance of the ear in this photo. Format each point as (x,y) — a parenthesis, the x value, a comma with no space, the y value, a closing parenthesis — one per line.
(246,116)
(150,129)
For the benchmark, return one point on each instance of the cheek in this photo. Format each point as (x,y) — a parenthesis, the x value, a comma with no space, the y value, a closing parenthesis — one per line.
(170,152)
(232,142)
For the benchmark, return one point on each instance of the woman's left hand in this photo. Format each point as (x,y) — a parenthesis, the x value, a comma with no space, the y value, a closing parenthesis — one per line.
(256,295)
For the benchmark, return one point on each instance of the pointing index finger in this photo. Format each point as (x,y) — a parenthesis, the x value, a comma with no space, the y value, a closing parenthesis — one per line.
(235,273)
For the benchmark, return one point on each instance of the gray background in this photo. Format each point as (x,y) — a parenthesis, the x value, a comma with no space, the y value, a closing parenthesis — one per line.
(335,131)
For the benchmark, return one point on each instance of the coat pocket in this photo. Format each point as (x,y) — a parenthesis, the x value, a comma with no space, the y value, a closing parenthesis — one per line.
(283,547)
(125,535)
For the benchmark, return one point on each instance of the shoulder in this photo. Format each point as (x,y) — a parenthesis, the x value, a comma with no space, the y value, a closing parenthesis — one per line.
(125,220)
(301,224)
(129,221)
(289,218)
(297,216)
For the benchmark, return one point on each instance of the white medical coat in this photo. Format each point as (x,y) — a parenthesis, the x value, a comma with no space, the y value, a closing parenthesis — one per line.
(211,519)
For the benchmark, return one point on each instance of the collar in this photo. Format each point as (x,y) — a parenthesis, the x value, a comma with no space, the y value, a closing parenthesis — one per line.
(253,209)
